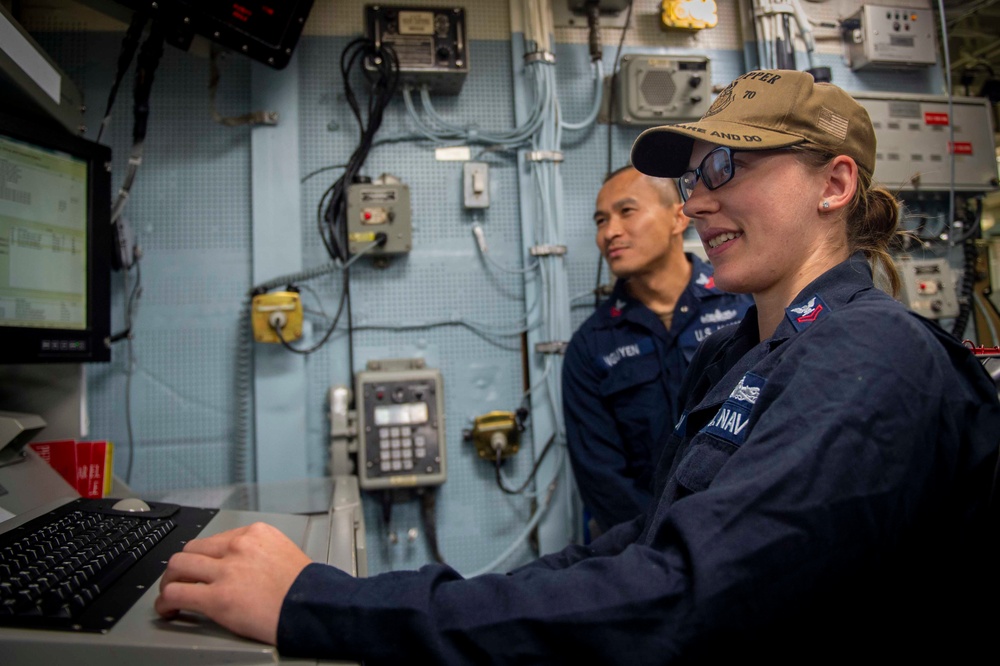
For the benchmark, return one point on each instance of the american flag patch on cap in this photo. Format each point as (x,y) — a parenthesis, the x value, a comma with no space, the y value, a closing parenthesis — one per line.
(832,123)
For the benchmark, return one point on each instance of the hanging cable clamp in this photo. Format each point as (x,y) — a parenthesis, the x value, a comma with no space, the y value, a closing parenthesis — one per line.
(551,347)
(263,118)
(774,8)
(545,156)
(540,56)
(547,250)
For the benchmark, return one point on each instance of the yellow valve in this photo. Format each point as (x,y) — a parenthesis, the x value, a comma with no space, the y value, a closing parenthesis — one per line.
(280,310)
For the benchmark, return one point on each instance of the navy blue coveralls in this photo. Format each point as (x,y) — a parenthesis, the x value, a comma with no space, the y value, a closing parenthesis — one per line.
(621,375)
(824,505)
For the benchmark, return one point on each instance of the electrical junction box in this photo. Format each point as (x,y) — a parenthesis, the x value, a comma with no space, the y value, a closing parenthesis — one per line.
(430,43)
(689,14)
(891,37)
(914,142)
(928,287)
(379,212)
(401,430)
(654,89)
(281,310)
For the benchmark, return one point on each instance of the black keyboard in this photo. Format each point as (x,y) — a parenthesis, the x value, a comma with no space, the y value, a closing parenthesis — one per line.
(81,566)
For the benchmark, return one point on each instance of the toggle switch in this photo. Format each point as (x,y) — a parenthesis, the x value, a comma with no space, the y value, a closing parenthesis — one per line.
(476,184)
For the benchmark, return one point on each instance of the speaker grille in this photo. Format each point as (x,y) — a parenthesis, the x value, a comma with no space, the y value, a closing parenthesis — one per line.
(658,88)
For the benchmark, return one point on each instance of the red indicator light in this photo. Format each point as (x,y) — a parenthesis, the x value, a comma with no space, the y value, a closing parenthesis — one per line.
(241,13)
(267,10)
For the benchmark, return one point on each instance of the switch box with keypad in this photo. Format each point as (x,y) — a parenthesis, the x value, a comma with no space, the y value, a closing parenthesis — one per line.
(401,433)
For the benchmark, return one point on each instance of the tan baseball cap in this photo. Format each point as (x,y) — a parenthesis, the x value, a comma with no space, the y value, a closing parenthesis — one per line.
(764,110)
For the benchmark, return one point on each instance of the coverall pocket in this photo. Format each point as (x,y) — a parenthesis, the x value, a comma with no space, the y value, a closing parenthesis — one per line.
(704,458)
(629,374)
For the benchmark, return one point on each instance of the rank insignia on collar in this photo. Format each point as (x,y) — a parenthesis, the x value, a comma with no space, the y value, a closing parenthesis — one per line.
(802,315)
(707,281)
(616,309)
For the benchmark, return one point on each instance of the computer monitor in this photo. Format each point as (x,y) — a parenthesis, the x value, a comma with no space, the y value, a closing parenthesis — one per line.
(55,245)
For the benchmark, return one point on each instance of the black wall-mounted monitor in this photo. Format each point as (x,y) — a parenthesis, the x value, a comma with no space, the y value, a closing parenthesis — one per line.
(55,245)
(264,30)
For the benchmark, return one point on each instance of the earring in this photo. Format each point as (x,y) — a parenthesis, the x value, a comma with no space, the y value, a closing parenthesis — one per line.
(826,204)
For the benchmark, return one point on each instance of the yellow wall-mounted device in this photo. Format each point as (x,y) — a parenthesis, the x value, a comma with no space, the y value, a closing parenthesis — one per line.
(689,14)
(495,431)
(278,309)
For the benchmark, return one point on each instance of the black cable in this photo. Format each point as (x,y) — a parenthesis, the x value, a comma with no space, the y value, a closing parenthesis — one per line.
(129,45)
(613,87)
(149,59)
(614,81)
(386,501)
(316,172)
(130,305)
(383,82)
(147,62)
(594,29)
(379,66)
(965,297)
(428,502)
(326,336)
(350,324)
(534,469)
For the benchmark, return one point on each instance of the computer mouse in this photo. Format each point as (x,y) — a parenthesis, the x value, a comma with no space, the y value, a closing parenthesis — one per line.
(132,504)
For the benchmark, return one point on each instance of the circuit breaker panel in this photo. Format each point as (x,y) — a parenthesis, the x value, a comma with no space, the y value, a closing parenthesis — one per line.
(401,431)
(915,145)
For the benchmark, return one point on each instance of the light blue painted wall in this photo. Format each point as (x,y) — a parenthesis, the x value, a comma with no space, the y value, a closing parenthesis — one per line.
(192,209)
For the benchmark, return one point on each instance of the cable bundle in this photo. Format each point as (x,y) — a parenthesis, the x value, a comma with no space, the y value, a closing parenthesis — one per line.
(380,68)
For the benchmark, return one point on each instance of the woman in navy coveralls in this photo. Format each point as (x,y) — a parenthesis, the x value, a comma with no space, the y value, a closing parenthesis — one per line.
(823,498)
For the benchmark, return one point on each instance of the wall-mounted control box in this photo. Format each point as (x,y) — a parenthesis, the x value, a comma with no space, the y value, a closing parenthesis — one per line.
(429,42)
(401,431)
(653,89)
(379,213)
(928,287)
(891,37)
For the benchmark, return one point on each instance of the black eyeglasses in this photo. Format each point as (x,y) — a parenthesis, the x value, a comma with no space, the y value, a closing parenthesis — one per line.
(716,170)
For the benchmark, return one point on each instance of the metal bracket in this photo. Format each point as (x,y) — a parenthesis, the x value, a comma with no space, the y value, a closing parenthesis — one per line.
(396,364)
(343,432)
(551,347)
(544,156)
(546,250)
(540,56)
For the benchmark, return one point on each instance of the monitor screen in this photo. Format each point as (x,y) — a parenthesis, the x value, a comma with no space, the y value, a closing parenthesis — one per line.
(55,245)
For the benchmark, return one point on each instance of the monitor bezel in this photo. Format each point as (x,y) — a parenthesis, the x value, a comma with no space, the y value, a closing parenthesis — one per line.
(28,344)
